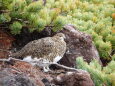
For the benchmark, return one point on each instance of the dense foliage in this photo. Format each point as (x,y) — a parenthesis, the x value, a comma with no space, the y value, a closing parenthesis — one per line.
(102,76)
(96,17)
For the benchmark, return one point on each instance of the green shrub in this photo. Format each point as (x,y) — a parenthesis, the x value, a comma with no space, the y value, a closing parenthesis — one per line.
(102,76)
(16,27)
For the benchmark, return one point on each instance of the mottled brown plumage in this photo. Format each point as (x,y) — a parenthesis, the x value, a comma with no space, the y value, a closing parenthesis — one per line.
(47,48)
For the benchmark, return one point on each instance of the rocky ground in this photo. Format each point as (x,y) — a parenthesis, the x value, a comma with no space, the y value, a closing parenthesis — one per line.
(20,73)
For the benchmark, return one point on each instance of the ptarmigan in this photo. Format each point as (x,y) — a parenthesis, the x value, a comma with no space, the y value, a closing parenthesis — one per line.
(49,48)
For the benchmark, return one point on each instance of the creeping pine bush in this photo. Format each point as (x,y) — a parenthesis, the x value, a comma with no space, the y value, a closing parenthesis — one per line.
(102,76)
(96,17)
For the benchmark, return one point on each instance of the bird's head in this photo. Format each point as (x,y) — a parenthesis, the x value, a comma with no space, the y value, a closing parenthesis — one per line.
(60,35)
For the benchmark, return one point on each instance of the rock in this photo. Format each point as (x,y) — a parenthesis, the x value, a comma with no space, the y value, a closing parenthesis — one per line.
(17,73)
(74,79)
(10,79)
(78,44)
(5,43)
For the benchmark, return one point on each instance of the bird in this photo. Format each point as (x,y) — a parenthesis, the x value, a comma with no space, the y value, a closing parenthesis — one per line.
(48,48)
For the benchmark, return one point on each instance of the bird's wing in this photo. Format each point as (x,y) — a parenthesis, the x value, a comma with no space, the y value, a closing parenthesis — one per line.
(42,47)
(27,49)
(37,48)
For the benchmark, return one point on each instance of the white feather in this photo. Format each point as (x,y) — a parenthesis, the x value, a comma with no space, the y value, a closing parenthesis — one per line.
(28,59)
(56,59)
(58,78)
(69,73)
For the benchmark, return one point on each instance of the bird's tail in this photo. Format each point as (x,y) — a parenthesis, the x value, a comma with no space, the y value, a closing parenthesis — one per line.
(18,55)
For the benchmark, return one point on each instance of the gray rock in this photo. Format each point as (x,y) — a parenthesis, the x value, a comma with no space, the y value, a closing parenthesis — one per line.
(79,44)
(9,79)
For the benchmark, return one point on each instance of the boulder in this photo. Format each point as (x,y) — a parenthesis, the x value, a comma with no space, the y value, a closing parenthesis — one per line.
(79,44)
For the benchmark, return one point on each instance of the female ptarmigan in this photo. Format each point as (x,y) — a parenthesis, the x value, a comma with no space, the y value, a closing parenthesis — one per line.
(49,48)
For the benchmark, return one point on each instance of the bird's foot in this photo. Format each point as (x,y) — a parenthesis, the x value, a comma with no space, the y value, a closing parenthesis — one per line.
(46,69)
